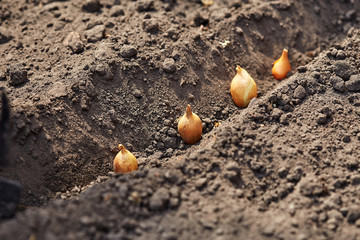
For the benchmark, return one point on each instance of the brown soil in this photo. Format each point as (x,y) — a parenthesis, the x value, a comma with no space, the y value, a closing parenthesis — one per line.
(83,77)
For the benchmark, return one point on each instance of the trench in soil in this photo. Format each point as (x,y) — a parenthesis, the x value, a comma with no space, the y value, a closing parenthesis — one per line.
(74,146)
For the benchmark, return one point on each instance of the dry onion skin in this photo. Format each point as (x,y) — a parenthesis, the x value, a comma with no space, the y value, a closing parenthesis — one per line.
(125,161)
(243,88)
(207,3)
(190,127)
(281,66)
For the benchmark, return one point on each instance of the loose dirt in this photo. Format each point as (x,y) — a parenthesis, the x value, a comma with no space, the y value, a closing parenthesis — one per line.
(84,76)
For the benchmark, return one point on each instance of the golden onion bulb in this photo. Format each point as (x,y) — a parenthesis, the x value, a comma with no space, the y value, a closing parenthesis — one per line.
(190,127)
(281,66)
(125,161)
(243,88)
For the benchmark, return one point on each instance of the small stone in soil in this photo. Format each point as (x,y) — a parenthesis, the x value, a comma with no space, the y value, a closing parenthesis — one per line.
(144,5)
(91,6)
(172,132)
(353,213)
(159,199)
(284,119)
(268,230)
(150,26)
(340,183)
(200,183)
(355,180)
(282,172)
(2,76)
(276,113)
(104,51)
(137,93)
(343,69)
(116,11)
(73,41)
(300,92)
(346,139)
(321,119)
(17,74)
(169,65)
(95,34)
(302,69)
(353,84)
(174,202)
(338,83)
(128,51)
(340,55)
(5,35)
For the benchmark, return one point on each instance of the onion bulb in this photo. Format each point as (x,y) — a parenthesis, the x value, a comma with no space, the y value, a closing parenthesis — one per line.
(125,161)
(190,127)
(281,66)
(207,3)
(243,88)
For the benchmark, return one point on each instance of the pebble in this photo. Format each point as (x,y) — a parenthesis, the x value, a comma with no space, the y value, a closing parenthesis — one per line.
(299,92)
(2,76)
(327,111)
(104,71)
(93,22)
(137,93)
(321,119)
(353,213)
(344,211)
(302,69)
(174,176)
(338,83)
(174,202)
(59,89)
(355,180)
(5,35)
(340,55)
(104,51)
(95,34)
(346,139)
(343,69)
(340,183)
(128,51)
(159,199)
(144,5)
(282,172)
(239,30)
(175,191)
(116,11)
(295,175)
(200,183)
(268,230)
(150,26)
(284,119)
(17,74)
(169,65)
(172,132)
(73,41)
(91,6)
(276,113)
(353,84)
